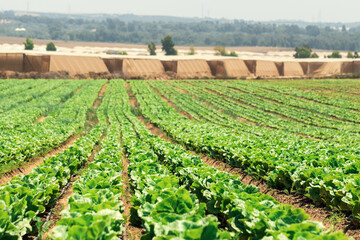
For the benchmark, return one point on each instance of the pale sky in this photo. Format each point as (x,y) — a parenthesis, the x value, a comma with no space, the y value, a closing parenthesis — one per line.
(258,10)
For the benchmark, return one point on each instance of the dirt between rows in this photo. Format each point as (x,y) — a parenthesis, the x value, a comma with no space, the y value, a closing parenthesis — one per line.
(317,213)
(40,119)
(27,167)
(130,231)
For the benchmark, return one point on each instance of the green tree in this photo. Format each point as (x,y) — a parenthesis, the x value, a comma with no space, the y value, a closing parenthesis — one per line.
(335,54)
(350,55)
(302,52)
(192,50)
(29,44)
(356,54)
(152,48)
(168,45)
(50,47)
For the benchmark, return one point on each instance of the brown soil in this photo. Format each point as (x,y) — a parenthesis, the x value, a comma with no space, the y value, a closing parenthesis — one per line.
(130,231)
(40,119)
(26,168)
(316,213)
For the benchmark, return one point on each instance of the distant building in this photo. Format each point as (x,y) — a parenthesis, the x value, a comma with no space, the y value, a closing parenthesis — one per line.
(20,29)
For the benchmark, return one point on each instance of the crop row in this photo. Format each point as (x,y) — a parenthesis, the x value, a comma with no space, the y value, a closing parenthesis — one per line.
(244,111)
(39,90)
(314,111)
(264,118)
(295,114)
(325,174)
(24,198)
(23,143)
(342,101)
(94,211)
(243,210)
(25,114)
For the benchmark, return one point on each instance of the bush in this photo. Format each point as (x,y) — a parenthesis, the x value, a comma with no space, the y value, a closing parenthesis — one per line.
(168,45)
(356,54)
(29,44)
(314,55)
(112,52)
(335,54)
(221,51)
(302,52)
(152,48)
(350,55)
(233,54)
(192,50)
(50,47)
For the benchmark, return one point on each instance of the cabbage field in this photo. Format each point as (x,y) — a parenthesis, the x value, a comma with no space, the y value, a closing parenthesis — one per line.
(190,159)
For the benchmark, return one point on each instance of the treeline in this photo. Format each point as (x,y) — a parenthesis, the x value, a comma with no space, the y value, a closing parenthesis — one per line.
(206,33)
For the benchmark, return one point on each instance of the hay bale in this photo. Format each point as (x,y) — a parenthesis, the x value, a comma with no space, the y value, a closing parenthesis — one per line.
(142,68)
(36,63)
(324,68)
(236,68)
(12,62)
(266,69)
(76,65)
(193,69)
(293,69)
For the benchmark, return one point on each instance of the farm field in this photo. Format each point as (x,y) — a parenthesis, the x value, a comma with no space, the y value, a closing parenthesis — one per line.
(190,159)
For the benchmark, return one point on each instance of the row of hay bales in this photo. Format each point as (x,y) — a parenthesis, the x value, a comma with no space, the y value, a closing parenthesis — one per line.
(180,69)
(18,62)
(227,68)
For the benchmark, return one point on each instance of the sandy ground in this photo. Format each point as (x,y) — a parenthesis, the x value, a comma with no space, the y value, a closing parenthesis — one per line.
(14,44)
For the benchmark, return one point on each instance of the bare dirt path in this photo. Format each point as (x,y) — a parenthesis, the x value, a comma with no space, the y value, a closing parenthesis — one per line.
(317,213)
